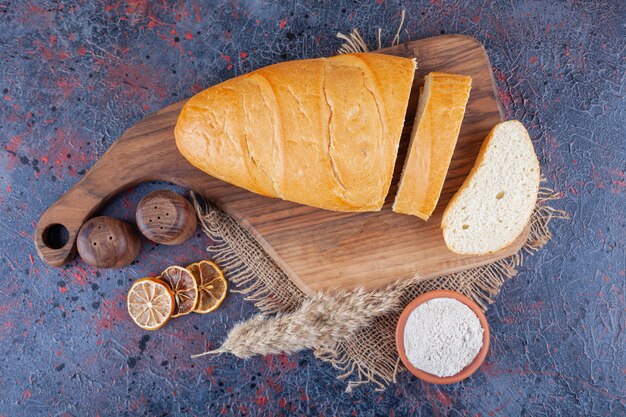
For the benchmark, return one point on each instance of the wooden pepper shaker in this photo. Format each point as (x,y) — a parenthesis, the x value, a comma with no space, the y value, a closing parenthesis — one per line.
(105,242)
(166,217)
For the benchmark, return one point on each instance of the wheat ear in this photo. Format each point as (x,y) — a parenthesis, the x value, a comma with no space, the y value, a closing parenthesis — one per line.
(321,321)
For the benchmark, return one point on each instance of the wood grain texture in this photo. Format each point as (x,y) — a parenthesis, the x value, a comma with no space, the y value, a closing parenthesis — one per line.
(318,249)
(166,217)
(105,242)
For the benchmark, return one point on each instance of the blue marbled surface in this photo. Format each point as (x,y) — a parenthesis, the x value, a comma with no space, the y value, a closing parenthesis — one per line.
(75,75)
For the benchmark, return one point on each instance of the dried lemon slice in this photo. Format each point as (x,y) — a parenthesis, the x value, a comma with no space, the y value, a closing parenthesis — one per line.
(212,286)
(184,287)
(150,303)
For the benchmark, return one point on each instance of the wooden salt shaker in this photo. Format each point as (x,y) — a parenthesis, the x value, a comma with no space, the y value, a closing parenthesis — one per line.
(166,217)
(105,242)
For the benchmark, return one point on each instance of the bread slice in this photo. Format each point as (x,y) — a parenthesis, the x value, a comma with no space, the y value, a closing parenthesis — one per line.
(436,128)
(495,202)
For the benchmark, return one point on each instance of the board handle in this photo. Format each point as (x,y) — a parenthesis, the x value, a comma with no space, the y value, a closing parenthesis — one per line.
(56,232)
(145,152)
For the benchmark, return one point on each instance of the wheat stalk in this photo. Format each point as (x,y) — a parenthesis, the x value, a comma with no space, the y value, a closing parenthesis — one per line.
(321,321)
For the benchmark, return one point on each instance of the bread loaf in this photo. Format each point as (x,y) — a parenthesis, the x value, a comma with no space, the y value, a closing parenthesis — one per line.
(435,131)
(495,202)
(322,132)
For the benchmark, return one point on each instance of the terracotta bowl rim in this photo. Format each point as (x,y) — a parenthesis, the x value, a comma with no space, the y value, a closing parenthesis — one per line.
(469,369)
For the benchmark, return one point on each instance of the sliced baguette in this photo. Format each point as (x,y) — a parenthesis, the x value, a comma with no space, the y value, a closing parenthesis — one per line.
(436,128)
(495,202)
(323,132)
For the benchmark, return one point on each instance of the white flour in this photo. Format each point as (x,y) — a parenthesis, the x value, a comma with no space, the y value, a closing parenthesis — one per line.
(442,336)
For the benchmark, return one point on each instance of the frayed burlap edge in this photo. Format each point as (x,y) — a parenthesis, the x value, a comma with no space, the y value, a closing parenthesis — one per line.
(240,256)
(354,43)
(369,355)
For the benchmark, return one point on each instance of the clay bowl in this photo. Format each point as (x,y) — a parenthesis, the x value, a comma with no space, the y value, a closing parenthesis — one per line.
(469,369)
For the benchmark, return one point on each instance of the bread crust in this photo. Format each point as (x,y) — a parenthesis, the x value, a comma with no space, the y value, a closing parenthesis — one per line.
(477,165)
(435,132)
(322,132)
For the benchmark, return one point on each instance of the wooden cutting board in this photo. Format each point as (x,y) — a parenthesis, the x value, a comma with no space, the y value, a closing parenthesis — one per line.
(318,249)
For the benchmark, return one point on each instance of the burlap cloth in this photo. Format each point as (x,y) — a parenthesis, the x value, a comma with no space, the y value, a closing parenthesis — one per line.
(368,355)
